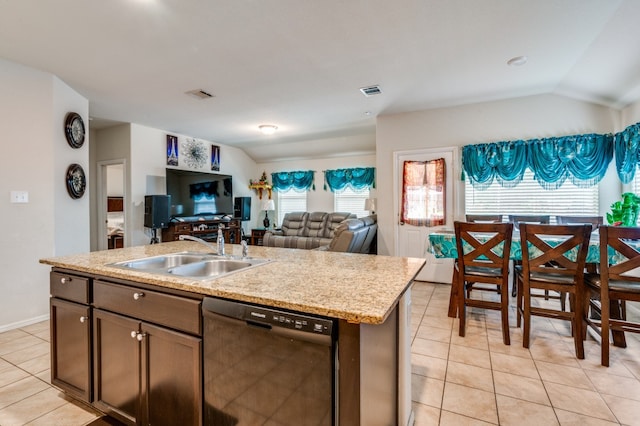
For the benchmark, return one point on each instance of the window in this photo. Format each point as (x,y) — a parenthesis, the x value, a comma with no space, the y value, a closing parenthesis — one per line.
(350,200)
(204,204)
(290,201)
(423,193)
(528,197)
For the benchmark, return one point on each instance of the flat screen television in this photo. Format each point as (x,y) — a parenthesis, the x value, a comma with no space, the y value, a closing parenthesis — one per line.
(199,193)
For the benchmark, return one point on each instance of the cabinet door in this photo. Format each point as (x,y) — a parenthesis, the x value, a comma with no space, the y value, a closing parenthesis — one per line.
(71,348)
(172,388)
(117,365)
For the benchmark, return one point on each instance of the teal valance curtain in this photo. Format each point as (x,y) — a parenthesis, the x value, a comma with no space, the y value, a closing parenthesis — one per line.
(627,146)
(503,161)
(299,181)
(583,159)
(357,178)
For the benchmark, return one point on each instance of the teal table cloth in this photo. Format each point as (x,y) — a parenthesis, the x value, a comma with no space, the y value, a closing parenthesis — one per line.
(442,244)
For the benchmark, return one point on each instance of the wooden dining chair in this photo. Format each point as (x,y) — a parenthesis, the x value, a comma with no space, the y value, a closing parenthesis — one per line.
(517,220)
(607,292)
(484,218)
(483,261)
(594,221)
(553,258)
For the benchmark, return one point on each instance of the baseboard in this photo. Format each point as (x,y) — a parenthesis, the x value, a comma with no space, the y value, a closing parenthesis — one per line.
(20,324)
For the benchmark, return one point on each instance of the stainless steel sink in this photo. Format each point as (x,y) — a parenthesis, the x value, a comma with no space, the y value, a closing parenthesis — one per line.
(209,268)
(164,261)
(191,265)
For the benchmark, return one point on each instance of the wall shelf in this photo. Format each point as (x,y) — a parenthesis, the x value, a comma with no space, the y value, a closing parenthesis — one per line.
(261,187)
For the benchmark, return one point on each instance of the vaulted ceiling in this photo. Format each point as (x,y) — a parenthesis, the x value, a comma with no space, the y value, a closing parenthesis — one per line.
(300,64)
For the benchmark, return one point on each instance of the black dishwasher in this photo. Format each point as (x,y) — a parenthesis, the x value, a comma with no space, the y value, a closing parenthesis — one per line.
(267,366)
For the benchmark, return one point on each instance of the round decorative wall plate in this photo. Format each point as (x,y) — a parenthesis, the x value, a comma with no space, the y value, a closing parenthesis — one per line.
(76,181)
(74,129)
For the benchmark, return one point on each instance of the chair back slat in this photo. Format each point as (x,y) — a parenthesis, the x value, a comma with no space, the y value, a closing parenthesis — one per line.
(564,253)
(484,244)
(615,243)
(484,218)
(595,221)
(536,219)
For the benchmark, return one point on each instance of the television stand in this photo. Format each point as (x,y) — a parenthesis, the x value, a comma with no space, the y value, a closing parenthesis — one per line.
(205,228)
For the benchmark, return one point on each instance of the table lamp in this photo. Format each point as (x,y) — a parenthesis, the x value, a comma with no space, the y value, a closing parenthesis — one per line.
(267,205)
(370,204)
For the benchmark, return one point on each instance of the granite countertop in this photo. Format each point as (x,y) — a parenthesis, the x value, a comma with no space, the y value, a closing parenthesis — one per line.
(359,288)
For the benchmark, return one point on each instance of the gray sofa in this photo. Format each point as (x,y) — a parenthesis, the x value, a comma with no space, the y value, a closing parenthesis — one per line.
(337,231)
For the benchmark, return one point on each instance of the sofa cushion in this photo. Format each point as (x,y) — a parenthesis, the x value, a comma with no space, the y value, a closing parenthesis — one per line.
(293,223)
(349,236)
(334,220)
(315,225)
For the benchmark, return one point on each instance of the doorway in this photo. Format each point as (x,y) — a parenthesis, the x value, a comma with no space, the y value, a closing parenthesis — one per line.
(112,202)
(411,241)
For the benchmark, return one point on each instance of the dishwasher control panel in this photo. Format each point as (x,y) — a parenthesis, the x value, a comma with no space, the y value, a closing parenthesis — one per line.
(287,320)
(270,318)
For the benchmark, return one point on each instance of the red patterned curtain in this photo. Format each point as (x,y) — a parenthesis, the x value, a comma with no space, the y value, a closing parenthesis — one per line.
(423,193)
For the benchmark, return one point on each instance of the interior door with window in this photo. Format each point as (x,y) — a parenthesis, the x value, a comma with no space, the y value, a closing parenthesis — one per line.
(427,210)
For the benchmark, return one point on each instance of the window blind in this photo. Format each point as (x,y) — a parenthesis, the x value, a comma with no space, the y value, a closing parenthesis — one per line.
(290,201)
(349,200)
(528,197)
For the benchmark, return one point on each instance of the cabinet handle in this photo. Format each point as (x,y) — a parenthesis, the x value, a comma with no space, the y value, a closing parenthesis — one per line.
(141,336)
(83,319)
(138,296)
(65,280)
(134,334)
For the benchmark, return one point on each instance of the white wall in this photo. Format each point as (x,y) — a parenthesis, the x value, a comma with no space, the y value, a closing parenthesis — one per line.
(147,173)
(318,200)
(70,215)
(521,118)
(35,153)
(630,115)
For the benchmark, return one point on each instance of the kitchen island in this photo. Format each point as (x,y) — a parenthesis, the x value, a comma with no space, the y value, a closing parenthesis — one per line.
(368,296)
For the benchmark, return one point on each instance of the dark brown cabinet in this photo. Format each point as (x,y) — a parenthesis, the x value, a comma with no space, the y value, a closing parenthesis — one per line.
(71,348)
(70,313)
(147,374)
(117,366)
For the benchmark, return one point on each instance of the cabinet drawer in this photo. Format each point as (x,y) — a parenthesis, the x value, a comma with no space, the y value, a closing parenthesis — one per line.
(164,309)
(69,287)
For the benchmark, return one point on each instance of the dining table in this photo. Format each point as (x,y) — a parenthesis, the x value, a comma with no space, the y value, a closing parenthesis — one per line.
(442,244)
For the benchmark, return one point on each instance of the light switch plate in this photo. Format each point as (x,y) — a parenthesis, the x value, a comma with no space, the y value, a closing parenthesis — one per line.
(19,196)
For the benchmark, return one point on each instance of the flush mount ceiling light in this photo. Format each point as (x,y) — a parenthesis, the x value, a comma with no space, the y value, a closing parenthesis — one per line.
(268,129)
(517,61)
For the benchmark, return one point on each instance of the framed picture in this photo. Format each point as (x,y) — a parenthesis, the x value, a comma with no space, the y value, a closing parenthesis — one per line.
(215,158)
(172,150)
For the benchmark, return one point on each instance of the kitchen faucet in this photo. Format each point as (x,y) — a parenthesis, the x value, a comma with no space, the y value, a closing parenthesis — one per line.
(245,248)
(210,246)
(220,240)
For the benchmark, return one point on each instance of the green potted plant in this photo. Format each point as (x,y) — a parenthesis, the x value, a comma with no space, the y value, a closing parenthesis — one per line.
(625,212)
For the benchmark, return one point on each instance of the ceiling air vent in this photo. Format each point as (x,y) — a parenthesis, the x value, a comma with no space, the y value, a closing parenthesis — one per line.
(199,93)
(371,90)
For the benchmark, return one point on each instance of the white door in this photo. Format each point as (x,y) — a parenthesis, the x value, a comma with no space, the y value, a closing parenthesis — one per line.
(411,241)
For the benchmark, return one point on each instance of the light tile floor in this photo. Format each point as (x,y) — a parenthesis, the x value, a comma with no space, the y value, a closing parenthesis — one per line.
(475,380)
